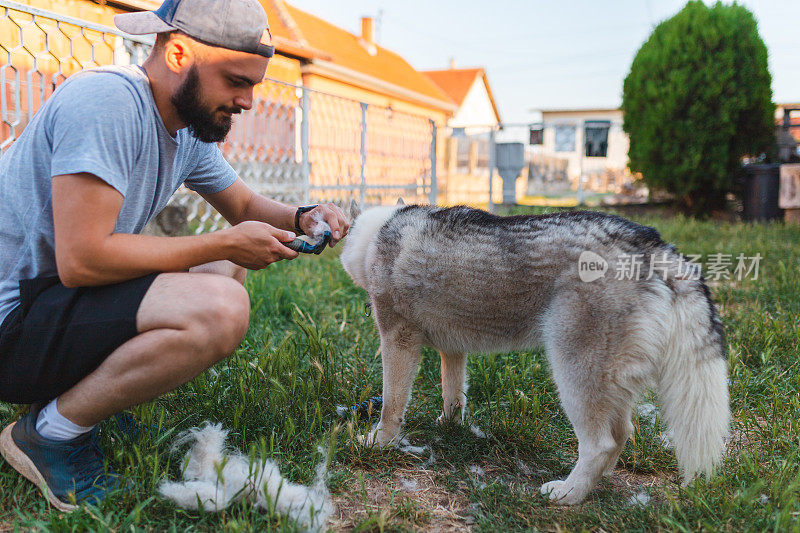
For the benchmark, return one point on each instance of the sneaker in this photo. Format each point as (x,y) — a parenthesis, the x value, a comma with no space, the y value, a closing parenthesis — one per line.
(67,472)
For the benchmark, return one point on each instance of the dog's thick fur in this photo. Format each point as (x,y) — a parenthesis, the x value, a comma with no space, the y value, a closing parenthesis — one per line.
(464,281)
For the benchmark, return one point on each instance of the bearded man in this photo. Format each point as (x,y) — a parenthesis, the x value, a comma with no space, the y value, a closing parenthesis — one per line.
(95,316)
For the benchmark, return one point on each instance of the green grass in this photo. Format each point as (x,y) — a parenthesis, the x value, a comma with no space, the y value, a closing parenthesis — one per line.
(310,347)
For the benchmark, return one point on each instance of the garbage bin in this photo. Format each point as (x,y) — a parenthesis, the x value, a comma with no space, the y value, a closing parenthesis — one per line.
(760,191)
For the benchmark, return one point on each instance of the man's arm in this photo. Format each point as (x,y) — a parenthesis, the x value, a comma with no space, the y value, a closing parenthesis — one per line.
(239,203)
(88,252)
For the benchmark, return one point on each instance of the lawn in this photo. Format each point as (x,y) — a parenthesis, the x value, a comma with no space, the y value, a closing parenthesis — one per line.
(311,347)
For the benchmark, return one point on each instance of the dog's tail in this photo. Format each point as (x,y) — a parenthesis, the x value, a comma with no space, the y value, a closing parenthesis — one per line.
(692,381)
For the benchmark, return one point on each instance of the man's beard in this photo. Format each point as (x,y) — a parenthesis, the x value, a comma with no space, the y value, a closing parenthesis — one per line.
(201,122)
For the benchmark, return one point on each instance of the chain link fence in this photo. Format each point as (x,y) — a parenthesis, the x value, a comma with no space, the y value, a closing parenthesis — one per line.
(296,144)
(41,50)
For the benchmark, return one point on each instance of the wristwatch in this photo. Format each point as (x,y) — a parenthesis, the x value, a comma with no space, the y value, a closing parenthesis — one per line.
(300,211)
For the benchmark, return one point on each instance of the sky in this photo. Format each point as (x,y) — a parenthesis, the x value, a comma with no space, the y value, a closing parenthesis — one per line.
(548,54)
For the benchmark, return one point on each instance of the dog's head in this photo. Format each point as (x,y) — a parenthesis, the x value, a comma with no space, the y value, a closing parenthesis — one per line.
(363,230)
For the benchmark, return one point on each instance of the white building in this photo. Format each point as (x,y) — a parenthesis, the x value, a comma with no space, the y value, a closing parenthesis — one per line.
(591,141)
(469,89)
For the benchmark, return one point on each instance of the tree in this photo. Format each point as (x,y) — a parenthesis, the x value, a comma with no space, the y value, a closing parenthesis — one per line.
(697,99)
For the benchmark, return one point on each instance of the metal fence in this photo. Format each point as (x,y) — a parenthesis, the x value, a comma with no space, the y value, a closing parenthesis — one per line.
(296,144)
(41,50)
(471,153)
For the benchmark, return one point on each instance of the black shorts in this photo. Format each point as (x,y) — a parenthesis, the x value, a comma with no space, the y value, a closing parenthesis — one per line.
(57,336)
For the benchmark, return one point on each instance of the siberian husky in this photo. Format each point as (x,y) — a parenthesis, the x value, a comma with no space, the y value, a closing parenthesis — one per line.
(464,281)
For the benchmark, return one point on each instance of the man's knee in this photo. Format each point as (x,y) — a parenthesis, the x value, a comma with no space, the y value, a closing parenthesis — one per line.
(227,315)
(212,311)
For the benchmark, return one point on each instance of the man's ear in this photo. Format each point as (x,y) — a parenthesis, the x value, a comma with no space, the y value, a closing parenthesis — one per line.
(400,201)
(181,52)
(355,210)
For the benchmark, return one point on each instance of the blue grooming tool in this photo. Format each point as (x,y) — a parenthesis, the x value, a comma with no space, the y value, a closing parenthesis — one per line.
(367,407)
(304,247)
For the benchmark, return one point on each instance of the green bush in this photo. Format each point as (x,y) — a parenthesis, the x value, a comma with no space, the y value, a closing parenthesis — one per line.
(698,99)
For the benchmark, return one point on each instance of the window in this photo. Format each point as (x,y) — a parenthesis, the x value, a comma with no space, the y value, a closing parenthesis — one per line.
(597,138)
(536,135)
(565,138)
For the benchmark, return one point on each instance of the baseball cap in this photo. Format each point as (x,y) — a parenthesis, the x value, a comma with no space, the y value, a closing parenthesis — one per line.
(234,24)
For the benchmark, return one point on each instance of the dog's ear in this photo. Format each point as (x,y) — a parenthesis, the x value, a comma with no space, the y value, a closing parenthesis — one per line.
(355,210)
(400,201)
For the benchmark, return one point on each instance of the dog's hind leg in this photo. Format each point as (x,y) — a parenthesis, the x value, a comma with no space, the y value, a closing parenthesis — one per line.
(401,351)
(592,415)
(454,387)
(595,404)
(596,450)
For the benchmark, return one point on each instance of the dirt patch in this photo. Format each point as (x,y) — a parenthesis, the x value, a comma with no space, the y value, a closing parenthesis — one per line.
(411,495)
(419,500)
(625,480)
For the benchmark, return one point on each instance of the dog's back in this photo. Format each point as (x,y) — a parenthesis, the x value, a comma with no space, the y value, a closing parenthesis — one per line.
(491,278)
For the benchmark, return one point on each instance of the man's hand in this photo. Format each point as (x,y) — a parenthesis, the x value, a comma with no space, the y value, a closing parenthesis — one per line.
(254,245)
(330,213)
(239,203)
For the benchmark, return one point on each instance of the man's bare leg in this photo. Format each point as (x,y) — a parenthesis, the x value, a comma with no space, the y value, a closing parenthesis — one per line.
(223,268)
(187,323)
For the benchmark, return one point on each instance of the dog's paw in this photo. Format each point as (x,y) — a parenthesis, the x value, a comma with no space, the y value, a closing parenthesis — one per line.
(378,438)
(455,418)
(561,493)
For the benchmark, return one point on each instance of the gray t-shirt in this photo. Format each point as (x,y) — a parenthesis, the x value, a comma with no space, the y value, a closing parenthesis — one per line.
(103,121)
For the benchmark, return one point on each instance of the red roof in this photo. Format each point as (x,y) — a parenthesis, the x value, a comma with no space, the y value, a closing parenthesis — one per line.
(457,82)
(296,31)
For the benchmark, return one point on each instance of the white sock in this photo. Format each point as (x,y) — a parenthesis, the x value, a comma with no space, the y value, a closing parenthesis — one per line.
(52,425)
